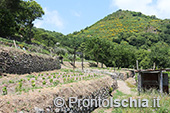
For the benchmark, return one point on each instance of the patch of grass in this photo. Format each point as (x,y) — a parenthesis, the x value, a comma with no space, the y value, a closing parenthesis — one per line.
(130,85)
(33,84)
(11,81)
(36,77)
(118,94)
(44,82)
(49,77)
(30,76)
(43,78)
(55,83)
(64,79)
(19,87)
(51,80)
(54,76)
(32,81)
(149,95)
(4,90)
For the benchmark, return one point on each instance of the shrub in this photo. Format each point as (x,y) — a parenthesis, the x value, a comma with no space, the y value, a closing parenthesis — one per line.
(49,77)
(4,90)
(43,78)
(20,85)
(33,84)
(51,80)
(11,81)
(18,88)
(81,74)
(44,82)
(64,79)
(32,81)
(56,82)
(36,77)
(110,89)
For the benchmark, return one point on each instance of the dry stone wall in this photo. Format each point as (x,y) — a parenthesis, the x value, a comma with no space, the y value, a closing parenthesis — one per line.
(99,89)
(20,62)
(42,101)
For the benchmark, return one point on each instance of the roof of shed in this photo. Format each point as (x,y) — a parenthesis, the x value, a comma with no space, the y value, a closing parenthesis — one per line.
(152,70)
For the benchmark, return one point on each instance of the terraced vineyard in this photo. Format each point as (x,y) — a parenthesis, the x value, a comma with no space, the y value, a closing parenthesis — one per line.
(25,83)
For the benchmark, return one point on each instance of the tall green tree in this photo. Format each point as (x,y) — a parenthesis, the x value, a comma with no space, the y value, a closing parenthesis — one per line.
(8,9)
(160,55)
(31,11)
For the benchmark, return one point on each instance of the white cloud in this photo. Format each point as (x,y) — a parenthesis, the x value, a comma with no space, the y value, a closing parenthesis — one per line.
(76,13)
(38,24)
(160,8)
(51,18)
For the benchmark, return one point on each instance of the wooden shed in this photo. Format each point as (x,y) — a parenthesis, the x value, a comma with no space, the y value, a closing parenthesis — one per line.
(156,79)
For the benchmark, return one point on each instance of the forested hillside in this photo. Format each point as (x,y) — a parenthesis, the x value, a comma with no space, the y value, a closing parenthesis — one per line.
(126,36)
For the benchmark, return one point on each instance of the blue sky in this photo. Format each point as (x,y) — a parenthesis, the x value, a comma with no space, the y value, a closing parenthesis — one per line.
(67,16)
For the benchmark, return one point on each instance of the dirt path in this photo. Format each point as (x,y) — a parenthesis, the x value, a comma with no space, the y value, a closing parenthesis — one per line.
(122,86)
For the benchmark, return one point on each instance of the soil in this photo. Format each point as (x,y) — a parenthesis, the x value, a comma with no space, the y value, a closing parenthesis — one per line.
(122,86)
(43,98)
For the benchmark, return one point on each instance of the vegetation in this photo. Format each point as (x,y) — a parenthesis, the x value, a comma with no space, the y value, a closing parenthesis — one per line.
(117,40)
(123,37)
(30,82)
(164,104)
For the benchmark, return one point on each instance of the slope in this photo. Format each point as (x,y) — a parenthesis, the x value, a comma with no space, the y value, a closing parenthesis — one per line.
(123,21)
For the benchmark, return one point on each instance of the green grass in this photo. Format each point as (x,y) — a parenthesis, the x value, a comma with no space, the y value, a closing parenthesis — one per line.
(30,76)
(130,85)
(164,103)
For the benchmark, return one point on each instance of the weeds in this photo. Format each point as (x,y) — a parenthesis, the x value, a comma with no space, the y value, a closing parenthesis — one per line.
(4,90)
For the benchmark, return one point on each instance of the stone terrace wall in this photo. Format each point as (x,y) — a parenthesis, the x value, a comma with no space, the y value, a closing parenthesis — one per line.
(15,61)
(43,101)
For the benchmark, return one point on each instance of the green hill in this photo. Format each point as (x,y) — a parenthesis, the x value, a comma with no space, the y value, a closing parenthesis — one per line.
(123,37)
(124,22)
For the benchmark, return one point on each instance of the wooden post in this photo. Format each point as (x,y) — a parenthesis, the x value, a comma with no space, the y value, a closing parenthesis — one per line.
(161,82)
(15,44)
(154,66)
(82,62)
(139,83)
(137,65)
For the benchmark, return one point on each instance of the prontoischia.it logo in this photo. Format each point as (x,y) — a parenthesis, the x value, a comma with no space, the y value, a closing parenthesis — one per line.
(130,102)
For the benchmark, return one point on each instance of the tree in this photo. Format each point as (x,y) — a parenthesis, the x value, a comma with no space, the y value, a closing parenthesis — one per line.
(8,9)
(82,50)
(7,23)
(31,11)
(160,55)
(73,42)
(142,56)
(94,48)
(47,39)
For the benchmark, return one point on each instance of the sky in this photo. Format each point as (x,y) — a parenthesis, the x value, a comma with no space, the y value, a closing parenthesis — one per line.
(67,16)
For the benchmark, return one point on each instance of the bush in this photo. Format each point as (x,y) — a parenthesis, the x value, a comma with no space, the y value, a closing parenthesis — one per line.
(56,82)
